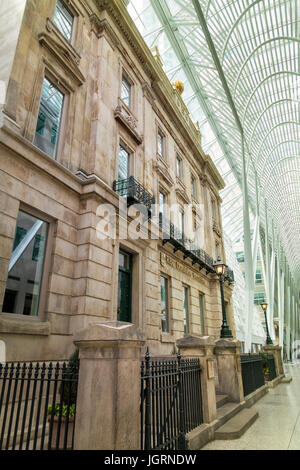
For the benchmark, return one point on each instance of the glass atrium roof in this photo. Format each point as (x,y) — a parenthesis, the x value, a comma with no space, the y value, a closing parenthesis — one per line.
(239,61)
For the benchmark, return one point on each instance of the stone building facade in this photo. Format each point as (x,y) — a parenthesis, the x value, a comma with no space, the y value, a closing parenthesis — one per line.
(87,104)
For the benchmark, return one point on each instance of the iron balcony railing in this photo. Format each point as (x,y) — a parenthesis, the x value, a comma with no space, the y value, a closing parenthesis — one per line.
(177,238)
(229,275)
(134,192)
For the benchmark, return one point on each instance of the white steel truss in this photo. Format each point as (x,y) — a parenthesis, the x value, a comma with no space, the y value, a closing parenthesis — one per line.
(240,64)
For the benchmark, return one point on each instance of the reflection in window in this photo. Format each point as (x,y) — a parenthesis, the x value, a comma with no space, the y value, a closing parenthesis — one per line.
(201,302)
(258,277)
(49,118)
(160,144)
(186,309)
(178,167)
(164,304)
(123,170)
(64,20)
(26,266)
(181,224)
(240,256)
(126,92)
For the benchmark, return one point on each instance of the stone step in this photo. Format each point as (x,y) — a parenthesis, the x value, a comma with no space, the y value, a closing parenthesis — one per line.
(228,411)
(221,400)
(286,379)
(238,425)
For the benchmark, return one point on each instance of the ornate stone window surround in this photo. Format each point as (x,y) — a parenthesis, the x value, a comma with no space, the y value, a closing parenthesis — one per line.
(71,6)
(127,116)
(168,337)
(46,70)
(137,297)
(162,158)
(38,325)
(133,109)
(122,142)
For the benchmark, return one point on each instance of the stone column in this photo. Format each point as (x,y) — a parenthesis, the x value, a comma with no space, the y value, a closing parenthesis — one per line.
(108,400)
(202,347)
(276,351)
(227,352)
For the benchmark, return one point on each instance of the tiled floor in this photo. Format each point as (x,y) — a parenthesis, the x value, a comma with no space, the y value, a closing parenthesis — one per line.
(278,425)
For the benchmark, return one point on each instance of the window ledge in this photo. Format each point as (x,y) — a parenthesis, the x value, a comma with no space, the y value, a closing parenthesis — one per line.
(167,338)
(20,326)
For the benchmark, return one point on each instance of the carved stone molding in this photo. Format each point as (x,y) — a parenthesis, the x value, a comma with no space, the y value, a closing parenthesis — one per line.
(128,121)
(148,93)
(66,56)
(101,28)
(217,229)
(181,194)
(163,172)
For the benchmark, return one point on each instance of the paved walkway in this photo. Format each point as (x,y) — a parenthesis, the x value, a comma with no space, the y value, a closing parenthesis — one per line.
(278,424)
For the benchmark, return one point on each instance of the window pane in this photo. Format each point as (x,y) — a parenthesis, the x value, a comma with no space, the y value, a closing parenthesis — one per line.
(160,144)
(181,224)
(185,310)
(193,187)
(26,266)
(123,171)
(164,304)
(240,256)
(162,202)
(178,167)
(126,92)
(49,118)
(201,301)
(64,20)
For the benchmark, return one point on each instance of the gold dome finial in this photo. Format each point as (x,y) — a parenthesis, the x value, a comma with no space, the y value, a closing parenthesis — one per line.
(179,86)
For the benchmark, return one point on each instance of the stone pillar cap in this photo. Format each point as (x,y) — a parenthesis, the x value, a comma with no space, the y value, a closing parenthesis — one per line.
(192,341)
(227,343)
(272,346)
(109,331)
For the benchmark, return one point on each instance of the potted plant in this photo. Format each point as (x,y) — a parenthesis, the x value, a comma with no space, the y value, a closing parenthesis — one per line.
(265,366)
(266,371)
(62,415)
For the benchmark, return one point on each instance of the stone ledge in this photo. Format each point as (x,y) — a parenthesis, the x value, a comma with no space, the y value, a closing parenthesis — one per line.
(238,425)
(273,383)
(24,327)
(256,395)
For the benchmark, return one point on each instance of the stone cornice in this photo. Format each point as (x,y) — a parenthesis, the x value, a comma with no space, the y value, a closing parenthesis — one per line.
(101,28)
(64,55)
(171,100)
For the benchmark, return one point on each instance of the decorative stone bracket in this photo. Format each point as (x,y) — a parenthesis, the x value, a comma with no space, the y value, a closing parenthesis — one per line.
(128,121)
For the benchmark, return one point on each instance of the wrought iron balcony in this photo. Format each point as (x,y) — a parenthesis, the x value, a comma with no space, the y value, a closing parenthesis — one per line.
(229,275)
(134,192)
(181,243)
(171,234)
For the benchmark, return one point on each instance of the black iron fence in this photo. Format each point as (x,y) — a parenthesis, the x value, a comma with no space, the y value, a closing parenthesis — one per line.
(37,406)
(171,402)
(252,372)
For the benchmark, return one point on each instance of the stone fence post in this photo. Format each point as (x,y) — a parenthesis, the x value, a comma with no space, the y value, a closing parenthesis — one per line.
(108,399)
(202,347)
(227,352)
(276,351)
